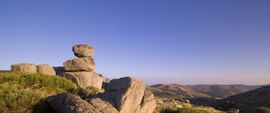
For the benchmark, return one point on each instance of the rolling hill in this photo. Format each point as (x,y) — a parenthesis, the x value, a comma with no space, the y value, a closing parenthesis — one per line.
(199,91)
(248,101)
(222,91)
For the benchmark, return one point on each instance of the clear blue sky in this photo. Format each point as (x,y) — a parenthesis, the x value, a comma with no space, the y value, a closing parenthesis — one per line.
(158,41)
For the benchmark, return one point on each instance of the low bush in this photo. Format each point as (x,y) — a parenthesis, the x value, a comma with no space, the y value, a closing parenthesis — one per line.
(83,93)
(19,92)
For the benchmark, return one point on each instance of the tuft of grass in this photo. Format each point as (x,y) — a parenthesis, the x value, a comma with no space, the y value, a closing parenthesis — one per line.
(19,92)
(83,93)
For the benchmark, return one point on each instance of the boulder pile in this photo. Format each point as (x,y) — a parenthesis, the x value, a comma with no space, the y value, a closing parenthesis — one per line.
(123,95)
(32,68)
(81,70)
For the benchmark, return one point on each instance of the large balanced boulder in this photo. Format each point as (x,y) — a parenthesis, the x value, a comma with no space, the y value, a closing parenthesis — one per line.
(85,79)
(80,64)
(24,68)
(129,95)
(83,50)
(69,103)
(45,69)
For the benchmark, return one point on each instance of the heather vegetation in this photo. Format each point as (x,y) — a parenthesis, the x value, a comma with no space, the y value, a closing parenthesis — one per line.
(21,92)
(182,110)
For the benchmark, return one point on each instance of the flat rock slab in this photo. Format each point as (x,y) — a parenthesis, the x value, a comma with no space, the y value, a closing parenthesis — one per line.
(83,50)
(85,79)
(24,68)
(80,64)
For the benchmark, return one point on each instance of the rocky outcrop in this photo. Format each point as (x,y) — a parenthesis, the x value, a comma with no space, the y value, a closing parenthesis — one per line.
(45,69)
(82,70)
(85,79)
(83,50)
(80,64)
(129,95)
(24,68)
(124,95)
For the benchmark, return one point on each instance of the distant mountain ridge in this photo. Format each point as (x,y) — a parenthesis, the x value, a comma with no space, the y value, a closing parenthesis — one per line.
(199,91)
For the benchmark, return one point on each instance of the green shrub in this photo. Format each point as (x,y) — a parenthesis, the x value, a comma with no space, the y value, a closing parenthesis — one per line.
(19,92)
(262,110)
(83,93)
(36,81)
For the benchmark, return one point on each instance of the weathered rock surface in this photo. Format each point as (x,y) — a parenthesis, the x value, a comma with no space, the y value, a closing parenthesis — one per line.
(69,103)
(80,64)
(102,106)
(24,68)
(148,103)
(45,69)
(83,50)
(129,95)
(85,79)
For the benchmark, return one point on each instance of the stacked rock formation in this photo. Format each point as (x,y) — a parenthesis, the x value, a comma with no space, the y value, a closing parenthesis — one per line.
(32,68)
(123,95)
(81,70)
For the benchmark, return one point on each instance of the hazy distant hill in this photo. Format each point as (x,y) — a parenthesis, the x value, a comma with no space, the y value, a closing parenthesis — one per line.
(200,91)
(246,102)
(222,91)
(176,91)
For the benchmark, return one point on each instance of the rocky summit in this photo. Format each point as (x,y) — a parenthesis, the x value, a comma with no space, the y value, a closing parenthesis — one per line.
(123,95)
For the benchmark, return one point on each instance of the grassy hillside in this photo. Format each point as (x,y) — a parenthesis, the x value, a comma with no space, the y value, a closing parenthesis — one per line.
(19,93)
